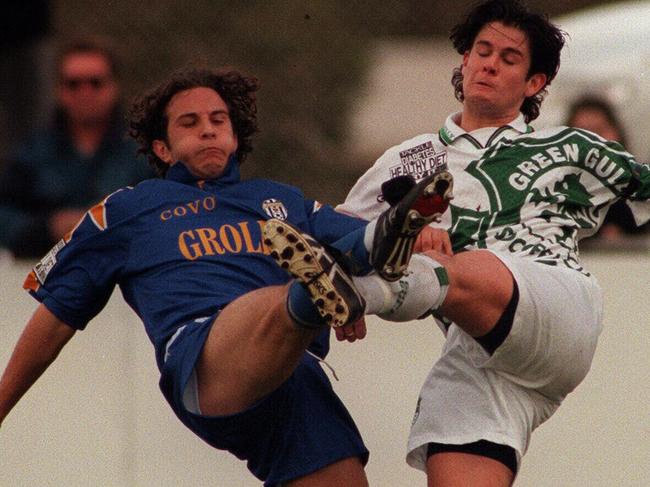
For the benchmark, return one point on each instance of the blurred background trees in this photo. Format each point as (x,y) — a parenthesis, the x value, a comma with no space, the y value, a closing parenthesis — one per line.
(311,57)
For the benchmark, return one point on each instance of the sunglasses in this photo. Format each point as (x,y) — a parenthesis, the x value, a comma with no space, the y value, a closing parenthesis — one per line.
(95,82)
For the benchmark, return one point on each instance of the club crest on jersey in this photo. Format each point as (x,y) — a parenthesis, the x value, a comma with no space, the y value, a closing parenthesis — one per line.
(275,209)
(419,161)
(43,268)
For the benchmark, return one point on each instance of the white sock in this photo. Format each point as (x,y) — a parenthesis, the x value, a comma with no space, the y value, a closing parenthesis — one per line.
(422,289)
(378,293)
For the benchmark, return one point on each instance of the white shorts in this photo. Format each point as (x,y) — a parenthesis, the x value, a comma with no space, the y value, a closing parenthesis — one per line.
(471,396)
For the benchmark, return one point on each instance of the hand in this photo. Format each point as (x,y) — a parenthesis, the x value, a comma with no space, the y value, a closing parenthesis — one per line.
(433,239)
(351,332)
(62,221)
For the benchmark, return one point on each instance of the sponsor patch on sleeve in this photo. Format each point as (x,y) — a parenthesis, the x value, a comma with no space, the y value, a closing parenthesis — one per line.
(43,268)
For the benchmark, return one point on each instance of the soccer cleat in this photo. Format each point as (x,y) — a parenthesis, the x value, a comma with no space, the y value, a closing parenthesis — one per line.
(331,289)
(398,227)
(394,189)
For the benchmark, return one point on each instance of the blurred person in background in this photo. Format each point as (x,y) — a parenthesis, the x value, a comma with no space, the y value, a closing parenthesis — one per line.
(599,116)
(51,178)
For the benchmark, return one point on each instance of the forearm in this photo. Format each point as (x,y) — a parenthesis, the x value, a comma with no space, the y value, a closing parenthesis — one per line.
(38,346)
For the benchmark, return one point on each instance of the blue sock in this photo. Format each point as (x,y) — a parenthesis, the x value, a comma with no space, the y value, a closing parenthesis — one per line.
(301,308)
(353,247)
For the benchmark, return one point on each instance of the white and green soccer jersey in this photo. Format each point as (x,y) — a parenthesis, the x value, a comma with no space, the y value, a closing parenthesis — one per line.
(528,193)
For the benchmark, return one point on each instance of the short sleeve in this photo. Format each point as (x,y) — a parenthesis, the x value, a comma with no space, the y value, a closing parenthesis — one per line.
(77,276)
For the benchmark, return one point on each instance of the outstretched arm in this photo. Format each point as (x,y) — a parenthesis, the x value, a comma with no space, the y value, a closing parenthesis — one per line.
(38,346)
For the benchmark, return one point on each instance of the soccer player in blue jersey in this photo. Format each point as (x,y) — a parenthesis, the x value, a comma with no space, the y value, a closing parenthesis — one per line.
(205,260)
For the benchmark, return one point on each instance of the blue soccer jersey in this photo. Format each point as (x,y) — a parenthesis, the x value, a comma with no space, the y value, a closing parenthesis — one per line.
(179,249)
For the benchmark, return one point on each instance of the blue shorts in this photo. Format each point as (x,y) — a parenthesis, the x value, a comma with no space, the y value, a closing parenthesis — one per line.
(299,428)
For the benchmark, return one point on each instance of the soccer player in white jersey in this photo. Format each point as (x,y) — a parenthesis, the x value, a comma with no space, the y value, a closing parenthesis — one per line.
(520,313)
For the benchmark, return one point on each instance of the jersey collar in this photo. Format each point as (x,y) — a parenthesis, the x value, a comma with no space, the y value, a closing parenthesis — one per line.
(178,172)
(452,134)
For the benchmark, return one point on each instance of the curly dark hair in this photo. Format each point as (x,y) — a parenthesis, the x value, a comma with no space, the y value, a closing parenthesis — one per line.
(148,119)
(545,40)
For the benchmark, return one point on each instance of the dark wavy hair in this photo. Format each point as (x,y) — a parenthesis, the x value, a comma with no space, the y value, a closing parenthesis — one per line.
(148,118)
(545,40)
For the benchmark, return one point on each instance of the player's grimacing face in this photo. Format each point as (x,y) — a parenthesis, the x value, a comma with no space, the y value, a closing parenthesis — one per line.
(199,133)
(495,70)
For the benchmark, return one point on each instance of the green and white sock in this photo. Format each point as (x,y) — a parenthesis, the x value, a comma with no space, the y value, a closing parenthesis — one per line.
(422,289)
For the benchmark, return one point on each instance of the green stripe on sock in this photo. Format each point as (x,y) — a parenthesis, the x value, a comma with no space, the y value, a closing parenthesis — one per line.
(441,274)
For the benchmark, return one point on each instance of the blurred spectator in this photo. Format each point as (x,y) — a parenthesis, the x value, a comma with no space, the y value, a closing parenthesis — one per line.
(83,155)
(598,116)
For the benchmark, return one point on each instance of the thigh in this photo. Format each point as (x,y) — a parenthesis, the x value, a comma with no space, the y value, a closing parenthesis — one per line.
(251,349)
(348,472)
(452,469)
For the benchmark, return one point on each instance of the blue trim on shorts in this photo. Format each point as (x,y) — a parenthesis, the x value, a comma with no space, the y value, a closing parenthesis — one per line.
(298,429)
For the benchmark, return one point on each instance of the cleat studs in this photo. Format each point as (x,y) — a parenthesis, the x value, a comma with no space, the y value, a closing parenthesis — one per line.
(309,264)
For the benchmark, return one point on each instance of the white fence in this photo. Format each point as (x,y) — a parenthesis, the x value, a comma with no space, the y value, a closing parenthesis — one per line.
(96,417)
